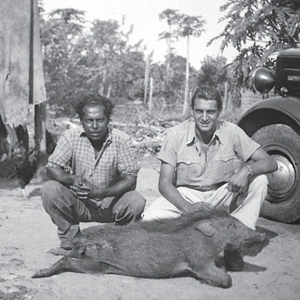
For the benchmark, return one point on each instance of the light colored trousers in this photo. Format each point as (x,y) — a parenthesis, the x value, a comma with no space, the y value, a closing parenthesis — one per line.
(248,204)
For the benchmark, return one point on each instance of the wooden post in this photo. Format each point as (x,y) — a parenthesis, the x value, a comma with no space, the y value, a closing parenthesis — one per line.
(40,131)
(37,90)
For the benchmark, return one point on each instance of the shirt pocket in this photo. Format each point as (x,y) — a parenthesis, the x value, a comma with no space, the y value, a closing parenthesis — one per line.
(225,165)
(189,167)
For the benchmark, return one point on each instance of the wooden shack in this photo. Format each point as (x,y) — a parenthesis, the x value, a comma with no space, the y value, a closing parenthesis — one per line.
(21,78)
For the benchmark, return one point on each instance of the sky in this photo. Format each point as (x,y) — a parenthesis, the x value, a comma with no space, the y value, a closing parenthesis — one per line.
(144,16)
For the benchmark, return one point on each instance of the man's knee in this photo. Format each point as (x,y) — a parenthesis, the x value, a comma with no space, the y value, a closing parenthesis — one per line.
(260,182)
(129,207)
(161,208)
(137,201)
(51,191)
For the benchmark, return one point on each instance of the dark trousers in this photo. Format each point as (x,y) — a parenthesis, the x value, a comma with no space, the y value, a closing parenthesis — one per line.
(66,211)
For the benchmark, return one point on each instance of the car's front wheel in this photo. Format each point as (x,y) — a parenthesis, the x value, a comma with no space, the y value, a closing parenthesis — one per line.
(283,199)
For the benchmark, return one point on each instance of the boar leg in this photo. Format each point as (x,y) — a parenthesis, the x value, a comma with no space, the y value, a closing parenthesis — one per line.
(70,264)
(213,276)
(63,265)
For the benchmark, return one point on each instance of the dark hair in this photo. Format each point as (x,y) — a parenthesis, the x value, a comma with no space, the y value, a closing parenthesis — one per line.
(207,93)
(94,100)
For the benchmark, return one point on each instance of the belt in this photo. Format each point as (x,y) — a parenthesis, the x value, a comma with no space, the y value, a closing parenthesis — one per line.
(205,188)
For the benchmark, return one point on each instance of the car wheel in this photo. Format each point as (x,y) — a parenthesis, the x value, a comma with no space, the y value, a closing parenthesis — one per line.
(283,199)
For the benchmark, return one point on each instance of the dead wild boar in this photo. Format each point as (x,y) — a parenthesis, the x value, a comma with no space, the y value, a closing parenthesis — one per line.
(188,245)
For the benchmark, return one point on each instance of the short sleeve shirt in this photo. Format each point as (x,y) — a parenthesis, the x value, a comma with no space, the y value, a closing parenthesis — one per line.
(229,147)
(75,154)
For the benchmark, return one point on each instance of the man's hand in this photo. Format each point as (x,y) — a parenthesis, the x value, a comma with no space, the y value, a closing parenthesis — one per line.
(195,207)
(239,182)
(82,189)
(79,188)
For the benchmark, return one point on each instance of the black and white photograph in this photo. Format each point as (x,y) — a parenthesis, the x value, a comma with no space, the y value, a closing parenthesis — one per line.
(149,149)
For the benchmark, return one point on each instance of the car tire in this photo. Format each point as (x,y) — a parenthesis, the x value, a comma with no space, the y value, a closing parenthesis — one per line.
(282,202)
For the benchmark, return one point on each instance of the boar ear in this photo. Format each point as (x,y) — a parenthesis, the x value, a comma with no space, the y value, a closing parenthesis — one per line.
(206,228)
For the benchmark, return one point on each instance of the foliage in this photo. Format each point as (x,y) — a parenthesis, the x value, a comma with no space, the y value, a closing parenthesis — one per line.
(59,38)
(257,28)
(172,91)
(172,16)
(213,72)
(191,26)
(185,26)
(81,58)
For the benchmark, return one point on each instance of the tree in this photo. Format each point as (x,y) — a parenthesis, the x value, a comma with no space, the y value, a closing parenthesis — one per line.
(213,72)
(171,93)
(257,28)
(59,36)
(80,60)
(119,64)
(172,17)
(189,26)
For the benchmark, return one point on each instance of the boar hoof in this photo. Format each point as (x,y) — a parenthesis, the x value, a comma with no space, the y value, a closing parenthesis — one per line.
(234,265)
(233,261)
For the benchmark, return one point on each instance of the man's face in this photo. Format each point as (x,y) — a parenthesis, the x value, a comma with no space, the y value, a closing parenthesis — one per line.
(94,122)
(206,113)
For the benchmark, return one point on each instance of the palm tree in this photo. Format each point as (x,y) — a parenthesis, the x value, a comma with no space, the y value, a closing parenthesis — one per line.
(189,26)
(172,17)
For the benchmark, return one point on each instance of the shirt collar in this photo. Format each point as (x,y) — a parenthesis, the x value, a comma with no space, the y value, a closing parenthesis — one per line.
(218,133)
(191,136)
(108,137)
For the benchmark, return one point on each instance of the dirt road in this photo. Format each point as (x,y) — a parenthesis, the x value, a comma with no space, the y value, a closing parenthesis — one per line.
(26,234)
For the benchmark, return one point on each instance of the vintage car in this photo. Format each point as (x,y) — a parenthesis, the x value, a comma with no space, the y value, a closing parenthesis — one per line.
(274,122)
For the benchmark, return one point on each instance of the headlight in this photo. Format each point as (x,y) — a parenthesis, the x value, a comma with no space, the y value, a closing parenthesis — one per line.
(263,80)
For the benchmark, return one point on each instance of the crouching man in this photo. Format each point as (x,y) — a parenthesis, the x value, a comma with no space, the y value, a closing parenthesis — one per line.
(94,173)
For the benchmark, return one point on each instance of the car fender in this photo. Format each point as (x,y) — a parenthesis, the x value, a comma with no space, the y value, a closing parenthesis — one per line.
(276,110)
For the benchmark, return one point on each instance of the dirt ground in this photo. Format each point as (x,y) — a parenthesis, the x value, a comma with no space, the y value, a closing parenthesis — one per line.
(26,234)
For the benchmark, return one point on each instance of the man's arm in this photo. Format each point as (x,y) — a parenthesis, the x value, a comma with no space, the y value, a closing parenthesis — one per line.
(61,176)
(88,190)
(169,191)
(263,163)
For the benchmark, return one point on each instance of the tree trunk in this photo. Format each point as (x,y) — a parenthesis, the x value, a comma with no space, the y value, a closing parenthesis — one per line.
(169,53)
(225,101)
(101,89)
(108,91)
(147,71)
(151,95)
(185,110)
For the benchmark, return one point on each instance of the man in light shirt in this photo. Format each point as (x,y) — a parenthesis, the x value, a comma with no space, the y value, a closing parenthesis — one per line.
(212,161)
